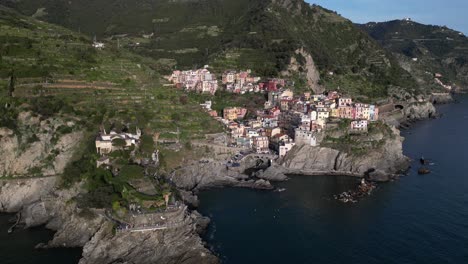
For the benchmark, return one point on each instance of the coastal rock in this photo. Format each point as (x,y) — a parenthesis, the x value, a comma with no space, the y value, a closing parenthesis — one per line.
(175,245)
(189,198)
(215,173)
(205,175)
(273,173)
(419,111)
(201,222)
(441,98)
(38,147)
(41,203)
(18,193)
(387,159)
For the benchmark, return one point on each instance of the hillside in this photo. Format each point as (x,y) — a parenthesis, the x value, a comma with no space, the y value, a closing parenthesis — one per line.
(256,34)
(425,50)
(50,61)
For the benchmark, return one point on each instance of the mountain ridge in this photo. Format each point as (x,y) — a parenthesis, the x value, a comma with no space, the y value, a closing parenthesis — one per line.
(423,49)
(256,34)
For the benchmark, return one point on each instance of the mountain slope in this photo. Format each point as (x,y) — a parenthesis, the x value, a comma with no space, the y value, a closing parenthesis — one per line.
(425,50)
(260,34)
(50,62)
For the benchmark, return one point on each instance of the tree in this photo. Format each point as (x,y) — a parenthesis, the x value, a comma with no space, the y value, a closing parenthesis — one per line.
(147,144)
(11,86)
(183,99)
(119,142)
(128,172)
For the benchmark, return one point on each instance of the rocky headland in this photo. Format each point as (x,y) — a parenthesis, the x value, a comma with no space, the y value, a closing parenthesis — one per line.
(41,203)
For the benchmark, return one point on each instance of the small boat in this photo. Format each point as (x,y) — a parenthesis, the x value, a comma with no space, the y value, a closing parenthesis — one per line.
(422,171)
(281,190)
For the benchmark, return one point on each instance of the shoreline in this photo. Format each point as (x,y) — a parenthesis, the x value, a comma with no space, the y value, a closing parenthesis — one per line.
(238,183)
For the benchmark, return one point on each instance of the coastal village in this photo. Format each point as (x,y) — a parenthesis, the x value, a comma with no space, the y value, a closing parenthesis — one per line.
(287,119)
(272,130)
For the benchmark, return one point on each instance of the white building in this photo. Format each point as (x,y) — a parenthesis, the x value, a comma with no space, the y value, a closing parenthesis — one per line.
(285,148)
(344,102)
(104,142)
(98,45)
(359,126)
(304,137)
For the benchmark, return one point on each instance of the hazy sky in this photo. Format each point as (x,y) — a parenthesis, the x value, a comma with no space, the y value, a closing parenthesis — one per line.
(451,13)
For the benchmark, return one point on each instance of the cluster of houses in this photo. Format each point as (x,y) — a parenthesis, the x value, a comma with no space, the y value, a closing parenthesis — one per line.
(201,80)
(241,82)
(287,120)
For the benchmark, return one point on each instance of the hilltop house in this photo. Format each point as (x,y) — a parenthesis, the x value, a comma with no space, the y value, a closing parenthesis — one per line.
(104,142)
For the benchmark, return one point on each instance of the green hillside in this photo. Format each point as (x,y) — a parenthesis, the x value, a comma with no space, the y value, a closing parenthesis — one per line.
(257,34)
(48,61)
(437,49)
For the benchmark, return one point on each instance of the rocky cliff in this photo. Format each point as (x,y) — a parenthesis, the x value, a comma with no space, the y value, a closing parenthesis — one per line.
(215,173)
(40,203)
(419,111)
(379,164)
(38,146)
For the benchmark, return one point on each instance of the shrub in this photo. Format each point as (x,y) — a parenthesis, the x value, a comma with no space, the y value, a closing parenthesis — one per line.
(131,172)
(147,144)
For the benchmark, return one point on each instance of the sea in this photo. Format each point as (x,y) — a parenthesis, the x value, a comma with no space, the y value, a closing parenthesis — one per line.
(417,219)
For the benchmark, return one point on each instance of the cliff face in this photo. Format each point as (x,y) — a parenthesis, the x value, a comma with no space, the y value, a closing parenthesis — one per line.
(40,203)
(379,163)
(178,245)
(419,111)
(42,147)
(214,173)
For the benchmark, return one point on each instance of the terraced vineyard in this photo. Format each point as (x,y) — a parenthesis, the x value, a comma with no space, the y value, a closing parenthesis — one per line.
(47,60)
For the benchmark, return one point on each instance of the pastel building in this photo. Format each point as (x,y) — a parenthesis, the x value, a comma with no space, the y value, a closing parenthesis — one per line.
(260,144)
(233,113)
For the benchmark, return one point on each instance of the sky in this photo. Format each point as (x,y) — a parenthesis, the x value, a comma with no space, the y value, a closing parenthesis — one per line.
(450,13)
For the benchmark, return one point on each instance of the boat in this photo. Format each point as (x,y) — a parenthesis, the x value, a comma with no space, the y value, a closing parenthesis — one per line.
(423,170)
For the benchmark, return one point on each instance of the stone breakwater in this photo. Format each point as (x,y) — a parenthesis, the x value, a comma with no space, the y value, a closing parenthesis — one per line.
(41,203)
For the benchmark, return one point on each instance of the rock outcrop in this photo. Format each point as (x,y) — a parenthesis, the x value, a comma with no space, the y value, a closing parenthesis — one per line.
(309,69)
(40,203)
(441,98)
(39,147)
(419,111)
(387,160)
(176,245)
(215,173)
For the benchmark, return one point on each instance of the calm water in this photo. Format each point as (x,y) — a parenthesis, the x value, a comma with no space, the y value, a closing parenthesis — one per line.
(18,248)
(419,219)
